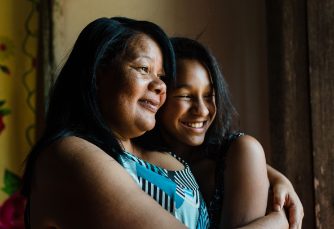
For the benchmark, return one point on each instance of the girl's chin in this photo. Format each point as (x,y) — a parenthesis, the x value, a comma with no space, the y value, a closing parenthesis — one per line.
(195,142)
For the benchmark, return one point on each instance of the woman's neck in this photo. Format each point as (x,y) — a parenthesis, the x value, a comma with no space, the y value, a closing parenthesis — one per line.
(130,147)
(126,144)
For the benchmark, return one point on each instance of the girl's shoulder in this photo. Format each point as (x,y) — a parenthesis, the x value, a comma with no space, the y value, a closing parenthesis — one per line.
(230,138)
(245,146)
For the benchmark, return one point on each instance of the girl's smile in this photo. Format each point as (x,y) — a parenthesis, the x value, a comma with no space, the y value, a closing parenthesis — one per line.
(190,107)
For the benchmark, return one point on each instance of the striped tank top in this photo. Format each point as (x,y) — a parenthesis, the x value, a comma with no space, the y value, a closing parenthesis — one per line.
(176,191)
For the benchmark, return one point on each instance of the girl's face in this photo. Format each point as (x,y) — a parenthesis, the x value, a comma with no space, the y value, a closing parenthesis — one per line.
(131,91)
(190,108)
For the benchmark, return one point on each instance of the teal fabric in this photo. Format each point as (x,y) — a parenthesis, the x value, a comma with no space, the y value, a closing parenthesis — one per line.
(175,191)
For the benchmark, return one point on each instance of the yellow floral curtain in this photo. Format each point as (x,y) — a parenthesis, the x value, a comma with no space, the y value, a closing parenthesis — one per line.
(18,49)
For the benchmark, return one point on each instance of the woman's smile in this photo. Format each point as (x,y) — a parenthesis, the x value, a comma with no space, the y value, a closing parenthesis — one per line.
(150,104)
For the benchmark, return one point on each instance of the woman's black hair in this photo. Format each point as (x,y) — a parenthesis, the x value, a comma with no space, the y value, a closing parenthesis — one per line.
(73,107)
(222,125)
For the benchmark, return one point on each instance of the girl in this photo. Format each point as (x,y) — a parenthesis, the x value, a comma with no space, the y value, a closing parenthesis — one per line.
(196,124)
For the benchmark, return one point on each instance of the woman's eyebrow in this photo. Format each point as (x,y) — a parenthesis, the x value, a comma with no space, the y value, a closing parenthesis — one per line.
(136,57)
(140,56)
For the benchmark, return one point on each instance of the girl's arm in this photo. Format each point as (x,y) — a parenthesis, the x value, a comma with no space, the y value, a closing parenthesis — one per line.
(246,183)
(274,220)
(285,196)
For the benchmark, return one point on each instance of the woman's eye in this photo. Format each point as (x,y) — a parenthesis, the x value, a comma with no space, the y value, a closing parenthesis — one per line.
(143,69)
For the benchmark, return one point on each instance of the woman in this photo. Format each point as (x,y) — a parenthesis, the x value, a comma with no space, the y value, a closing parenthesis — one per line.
(196,124)
(81,173)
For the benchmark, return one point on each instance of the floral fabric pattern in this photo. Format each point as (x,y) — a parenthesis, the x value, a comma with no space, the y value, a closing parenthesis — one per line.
(18,49)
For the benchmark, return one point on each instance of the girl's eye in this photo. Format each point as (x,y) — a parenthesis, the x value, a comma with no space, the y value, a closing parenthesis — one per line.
(210,96)
(187,97)
(162,77)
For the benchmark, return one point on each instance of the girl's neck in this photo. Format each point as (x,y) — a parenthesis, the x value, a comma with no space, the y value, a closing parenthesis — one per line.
(186,152)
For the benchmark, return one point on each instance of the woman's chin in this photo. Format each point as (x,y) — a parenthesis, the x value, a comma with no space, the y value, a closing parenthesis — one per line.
(147,126)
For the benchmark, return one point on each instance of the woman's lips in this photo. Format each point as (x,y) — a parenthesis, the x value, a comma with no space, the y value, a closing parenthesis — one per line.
(150,104)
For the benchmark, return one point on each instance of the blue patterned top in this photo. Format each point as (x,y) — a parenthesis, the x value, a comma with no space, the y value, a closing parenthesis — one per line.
(176,191)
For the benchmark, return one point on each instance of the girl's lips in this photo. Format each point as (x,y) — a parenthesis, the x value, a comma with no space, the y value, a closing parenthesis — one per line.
(150,104)
(198,126)
(194,124)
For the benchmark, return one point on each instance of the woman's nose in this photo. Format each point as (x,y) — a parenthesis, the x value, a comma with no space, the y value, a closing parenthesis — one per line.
(158,86)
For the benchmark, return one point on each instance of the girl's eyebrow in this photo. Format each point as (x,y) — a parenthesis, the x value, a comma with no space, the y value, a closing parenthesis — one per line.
(178,86)
(187,86)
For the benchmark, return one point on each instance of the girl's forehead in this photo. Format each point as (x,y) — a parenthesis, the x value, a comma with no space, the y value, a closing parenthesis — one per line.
(192,70)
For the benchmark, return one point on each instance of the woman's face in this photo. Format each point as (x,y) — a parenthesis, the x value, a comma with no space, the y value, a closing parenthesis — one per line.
(190,108)
(131,91)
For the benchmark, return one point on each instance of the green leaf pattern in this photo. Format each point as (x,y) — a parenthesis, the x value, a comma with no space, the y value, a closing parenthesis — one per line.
(12,182)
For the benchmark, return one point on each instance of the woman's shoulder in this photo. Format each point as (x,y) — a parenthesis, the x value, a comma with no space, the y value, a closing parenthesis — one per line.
(68,153)
(68,157)
(78,176)
(73,146)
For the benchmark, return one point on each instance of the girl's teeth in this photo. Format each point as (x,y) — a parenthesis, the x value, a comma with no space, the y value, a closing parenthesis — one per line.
(195,125)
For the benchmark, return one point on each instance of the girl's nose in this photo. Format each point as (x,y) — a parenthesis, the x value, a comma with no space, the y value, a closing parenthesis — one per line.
(200,108)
